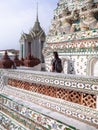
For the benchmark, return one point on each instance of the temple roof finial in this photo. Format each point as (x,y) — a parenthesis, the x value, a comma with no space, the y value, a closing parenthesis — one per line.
(37,13)
(36,28)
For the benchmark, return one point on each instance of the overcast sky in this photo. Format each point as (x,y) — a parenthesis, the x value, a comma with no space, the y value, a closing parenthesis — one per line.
(17,16)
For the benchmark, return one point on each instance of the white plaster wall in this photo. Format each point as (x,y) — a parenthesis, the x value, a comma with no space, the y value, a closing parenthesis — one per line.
(96,69)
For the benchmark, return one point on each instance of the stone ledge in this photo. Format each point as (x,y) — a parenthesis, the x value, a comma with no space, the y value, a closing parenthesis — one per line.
(82,35)
(11,122)
(86,84)
(61,107)
(37,111)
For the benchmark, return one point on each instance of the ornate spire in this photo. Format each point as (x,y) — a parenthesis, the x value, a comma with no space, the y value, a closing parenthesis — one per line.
(37,13)
(36,30)
(37,27)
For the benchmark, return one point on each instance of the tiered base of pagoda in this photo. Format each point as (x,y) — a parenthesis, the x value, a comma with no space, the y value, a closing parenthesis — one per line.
(21,115)
(32,113)
(47,101)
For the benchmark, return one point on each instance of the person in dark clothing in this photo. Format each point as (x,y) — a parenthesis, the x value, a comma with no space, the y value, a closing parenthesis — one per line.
(56,63)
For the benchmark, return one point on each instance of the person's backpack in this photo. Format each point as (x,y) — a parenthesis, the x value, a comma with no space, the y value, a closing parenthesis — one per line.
(58,65)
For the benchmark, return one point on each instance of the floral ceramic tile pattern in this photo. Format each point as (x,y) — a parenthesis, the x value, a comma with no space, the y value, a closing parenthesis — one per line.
(39,118)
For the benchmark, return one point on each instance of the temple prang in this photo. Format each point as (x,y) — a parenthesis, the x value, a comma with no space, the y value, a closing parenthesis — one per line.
(44,100)
(74,35)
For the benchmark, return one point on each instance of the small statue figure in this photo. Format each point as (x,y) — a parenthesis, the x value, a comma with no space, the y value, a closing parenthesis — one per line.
(88,22)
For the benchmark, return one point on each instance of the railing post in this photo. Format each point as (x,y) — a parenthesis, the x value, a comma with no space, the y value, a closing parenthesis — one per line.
(1,80)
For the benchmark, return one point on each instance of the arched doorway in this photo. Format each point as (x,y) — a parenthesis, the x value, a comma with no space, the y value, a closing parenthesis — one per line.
(93,67)
(96,68)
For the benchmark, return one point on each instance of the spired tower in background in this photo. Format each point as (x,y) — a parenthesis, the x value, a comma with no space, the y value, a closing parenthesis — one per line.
(33,42)
(74,35)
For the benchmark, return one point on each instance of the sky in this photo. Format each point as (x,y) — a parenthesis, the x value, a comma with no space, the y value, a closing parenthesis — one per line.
(18,16)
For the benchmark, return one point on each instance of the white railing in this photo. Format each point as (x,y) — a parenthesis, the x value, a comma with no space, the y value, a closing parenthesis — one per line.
(88,84)
(73,82)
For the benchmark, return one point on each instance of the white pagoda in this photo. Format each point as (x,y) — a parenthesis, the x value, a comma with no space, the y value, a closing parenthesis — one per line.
(74,35)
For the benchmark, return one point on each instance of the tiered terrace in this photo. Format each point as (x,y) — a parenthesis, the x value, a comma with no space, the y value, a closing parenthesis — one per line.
(48,101)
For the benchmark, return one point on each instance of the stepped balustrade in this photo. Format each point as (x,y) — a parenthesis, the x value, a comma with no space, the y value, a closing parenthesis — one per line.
(69,95)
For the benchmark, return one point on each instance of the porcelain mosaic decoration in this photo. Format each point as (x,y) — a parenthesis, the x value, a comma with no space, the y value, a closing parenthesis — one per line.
(74,35)
(38,118)
(23,93)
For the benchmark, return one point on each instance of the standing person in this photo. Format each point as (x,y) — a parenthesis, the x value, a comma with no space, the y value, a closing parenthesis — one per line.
(56,63)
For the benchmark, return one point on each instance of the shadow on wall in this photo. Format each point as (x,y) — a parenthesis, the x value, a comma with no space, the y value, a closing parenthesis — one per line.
(70,68)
